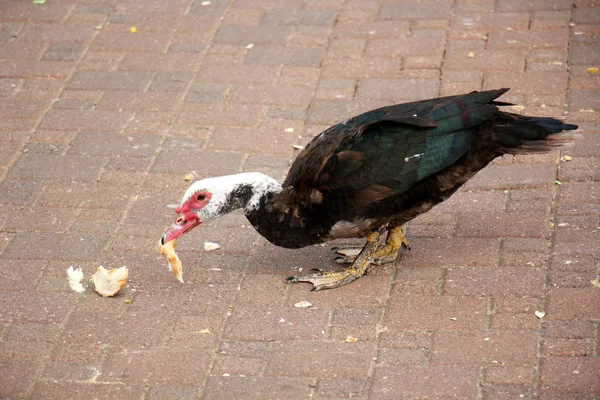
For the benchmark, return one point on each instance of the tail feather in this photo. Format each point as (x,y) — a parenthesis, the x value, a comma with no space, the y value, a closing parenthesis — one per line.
(518,134)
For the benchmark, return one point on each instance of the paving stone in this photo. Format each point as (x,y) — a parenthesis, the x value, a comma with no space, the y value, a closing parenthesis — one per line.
(333,360)
(573,304)
(170,392)
(567,375)
(397,90)
(485,348)
(232,387)
(411,11)
(294,96)
(431,382)
(435,312)
(518,224)
(38,245)
(270,55)
(249,34)
(284,323)
(155,366)
(15,377)
(77,391)
(494,280)
(141,41)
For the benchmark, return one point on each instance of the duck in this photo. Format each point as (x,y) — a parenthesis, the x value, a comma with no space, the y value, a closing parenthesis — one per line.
(369,175)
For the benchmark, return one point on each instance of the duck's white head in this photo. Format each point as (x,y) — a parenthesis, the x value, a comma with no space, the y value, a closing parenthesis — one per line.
(208,198)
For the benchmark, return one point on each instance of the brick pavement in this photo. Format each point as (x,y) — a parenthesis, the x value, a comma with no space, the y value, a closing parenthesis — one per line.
(99,124)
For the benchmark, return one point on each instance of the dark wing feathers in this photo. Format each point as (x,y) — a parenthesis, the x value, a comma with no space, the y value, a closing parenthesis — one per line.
(385,151)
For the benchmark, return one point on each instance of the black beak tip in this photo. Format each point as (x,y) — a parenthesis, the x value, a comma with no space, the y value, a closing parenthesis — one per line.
(162,240)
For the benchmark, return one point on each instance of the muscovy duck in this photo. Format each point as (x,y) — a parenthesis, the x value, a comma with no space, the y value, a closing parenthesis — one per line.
(370,174)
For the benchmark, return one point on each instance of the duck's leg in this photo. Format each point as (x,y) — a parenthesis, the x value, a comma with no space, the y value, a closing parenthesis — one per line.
(330,280)
(389,253)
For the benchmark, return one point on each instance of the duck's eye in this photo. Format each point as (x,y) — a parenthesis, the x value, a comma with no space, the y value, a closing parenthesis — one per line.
(201,197)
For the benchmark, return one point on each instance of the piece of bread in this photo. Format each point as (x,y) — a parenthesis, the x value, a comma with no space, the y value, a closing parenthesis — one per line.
(108,282)
(174,262)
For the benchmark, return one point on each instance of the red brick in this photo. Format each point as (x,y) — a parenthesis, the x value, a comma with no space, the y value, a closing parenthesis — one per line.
(421,281)
(375,29)
(159,62)
(137,101)
(270,55)
(341,388)
(580,169)
(532,5)
(567,347)
(213,163)
(326,112)
(276,323)
(425,382)
(35,69)
(576,241)
(367,67)
(297,17)
(283,95)
(173,392)
(22,306)
(16,376)
(402,357)
(134,330)
(490,59)
(250,34)
(60,371)
(140,41)
(207,92)
(530,200)
(237,366)
(83,391)
(428,43)
(566,304)
(415,11)
(514,176)
(405,339)
(510,375)
(518,224)
(171,81)
(57,119)
(435,312)
(570,374)
(528,39)
(503,347)
(397,90)
(71,168)
(26,13)
(496,281)
(444,252)
(515,322)
(39,219)
(569,329)
(24,50)
(221,115)
(36,245)
(332,360)
(478,21)
(56,32)
(257,141)
(584,99)
(156,366)
(256,388)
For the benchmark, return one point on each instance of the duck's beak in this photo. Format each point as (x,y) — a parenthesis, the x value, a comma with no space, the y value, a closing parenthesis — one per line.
(185,222)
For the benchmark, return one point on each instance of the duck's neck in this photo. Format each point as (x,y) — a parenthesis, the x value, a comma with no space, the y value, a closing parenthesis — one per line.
(248,191)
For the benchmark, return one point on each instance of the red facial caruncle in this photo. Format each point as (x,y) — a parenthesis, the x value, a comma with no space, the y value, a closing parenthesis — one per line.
(187,218)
